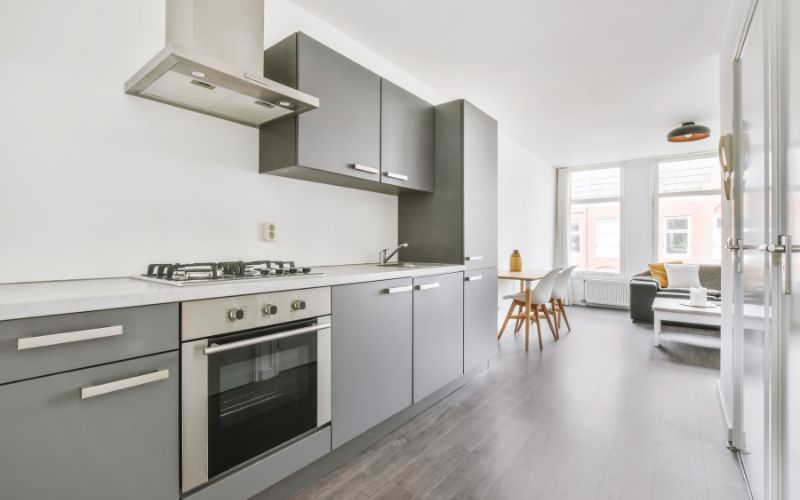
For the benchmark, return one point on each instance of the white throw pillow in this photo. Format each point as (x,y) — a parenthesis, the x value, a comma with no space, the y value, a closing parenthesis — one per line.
(683,275)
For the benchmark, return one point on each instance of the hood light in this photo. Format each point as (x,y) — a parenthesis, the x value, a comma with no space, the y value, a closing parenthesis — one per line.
(285,104)
(198,74)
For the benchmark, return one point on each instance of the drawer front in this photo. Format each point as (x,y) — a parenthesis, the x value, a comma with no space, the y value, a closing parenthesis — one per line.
(41,346)
(110,431)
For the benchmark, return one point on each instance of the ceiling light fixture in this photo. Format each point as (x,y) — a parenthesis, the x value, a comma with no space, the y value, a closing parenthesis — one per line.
(687,132)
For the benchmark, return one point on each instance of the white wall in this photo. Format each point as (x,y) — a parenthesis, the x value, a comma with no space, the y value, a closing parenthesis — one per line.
(526,211)
(96,183)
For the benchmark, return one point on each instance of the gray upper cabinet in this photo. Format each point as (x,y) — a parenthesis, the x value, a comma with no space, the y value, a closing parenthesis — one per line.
(33,347)
(406,139)
(71,437)
(457,223)
(480,188)
(371,349)
(480,317)
(338,143)
(438,332)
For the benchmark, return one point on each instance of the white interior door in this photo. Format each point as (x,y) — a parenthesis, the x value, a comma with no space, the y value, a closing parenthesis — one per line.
(789,103)
(752,194)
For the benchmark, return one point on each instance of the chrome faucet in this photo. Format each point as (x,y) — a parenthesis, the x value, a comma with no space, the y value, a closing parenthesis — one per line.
(383,259)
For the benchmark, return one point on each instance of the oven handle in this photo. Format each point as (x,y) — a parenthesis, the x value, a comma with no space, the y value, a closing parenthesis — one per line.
(213,349)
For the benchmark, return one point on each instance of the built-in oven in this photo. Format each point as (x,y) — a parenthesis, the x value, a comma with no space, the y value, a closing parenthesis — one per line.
(256,373)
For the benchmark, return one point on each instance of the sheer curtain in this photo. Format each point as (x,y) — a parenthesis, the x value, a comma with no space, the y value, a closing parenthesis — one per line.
(561,251)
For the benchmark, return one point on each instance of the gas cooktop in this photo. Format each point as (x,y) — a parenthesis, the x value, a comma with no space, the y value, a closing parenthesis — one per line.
(214,272)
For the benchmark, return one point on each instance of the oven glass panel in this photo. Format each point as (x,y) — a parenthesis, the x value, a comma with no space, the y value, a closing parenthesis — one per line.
(260,397)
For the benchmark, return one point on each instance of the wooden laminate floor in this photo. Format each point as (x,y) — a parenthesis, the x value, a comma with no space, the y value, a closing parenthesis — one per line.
(600,414)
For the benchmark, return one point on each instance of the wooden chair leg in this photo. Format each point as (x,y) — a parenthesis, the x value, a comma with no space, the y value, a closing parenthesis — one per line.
(557,316)
(538,325)
(549,323)
(527,314)
(508,318)
(564,314)
(518,324)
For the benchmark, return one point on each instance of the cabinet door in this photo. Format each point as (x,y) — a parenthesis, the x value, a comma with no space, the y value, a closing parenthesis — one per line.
(406,139)
(343,135)
(438,332)
(480,317)
(480,188)
(371,350)
(57,443)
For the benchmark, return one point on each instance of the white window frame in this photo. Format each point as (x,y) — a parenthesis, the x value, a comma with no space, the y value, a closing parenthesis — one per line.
(619,199)
(688,232)
(655,247)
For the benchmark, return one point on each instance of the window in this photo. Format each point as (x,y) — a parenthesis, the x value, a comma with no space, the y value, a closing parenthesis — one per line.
(575,237)
(607,238)
(688,200)
(594,226)
(677,235)
(718,237)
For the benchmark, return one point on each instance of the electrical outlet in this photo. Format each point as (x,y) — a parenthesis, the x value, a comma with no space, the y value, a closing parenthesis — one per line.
(269,231)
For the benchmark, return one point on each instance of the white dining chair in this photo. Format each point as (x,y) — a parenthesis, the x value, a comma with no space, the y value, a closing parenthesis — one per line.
(530,303)
(559,295)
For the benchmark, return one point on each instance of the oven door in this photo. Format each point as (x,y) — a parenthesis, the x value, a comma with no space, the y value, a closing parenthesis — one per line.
(245,394)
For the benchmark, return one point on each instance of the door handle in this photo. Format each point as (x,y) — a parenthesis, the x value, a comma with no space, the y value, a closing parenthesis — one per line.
(476,257)
(428,286)
(127,383)
(785,248)
(25,343)
(397,289)
(364,168)
(473,278)
(399,177)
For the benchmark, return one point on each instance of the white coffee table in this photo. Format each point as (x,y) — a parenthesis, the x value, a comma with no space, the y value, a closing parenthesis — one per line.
(671,309)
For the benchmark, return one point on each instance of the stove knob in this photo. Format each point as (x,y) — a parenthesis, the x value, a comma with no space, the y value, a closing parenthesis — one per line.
(270,309)
(235,313)
(305,270)
(298,305)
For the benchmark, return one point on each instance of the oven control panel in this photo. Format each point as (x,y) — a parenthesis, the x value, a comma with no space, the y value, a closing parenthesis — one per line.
(210,317)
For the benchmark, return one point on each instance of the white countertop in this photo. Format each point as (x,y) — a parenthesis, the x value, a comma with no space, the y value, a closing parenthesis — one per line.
(27,300)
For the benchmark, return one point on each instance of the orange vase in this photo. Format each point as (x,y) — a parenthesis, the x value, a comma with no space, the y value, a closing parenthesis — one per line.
(515,263)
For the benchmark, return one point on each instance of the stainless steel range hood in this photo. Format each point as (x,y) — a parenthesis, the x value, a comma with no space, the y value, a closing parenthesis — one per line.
(212,63)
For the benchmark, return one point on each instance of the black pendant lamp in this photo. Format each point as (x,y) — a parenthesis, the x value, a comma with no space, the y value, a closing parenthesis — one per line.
(687,132)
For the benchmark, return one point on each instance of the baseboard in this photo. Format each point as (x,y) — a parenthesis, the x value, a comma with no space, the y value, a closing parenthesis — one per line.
(338,457)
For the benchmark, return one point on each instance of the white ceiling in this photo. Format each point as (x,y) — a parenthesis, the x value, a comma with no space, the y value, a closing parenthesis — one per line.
(575,81)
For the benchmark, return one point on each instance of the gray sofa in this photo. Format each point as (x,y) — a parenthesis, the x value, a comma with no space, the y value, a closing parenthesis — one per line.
(644,289)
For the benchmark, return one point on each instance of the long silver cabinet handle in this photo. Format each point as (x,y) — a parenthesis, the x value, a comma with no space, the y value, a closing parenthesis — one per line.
(212,349)
(398,289)
(474,278)
(364,168)
(25,343)
(399,177)
(477,257)
(126,383)
(428,286)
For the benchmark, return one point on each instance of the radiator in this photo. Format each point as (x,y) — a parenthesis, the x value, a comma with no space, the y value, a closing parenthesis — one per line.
(600,292)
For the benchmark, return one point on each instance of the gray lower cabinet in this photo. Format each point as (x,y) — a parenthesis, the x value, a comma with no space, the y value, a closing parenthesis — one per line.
(33,347)
(438,332)
(371,350)
(71,437)
(406,139)
(338,143)
(480,317)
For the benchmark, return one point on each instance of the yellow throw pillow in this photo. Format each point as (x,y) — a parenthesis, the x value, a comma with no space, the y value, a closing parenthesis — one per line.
(658,271)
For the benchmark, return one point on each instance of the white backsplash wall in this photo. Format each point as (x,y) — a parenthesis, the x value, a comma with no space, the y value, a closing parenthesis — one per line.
(96,183)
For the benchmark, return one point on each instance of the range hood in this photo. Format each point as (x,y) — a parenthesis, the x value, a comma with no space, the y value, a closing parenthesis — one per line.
(213,63)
